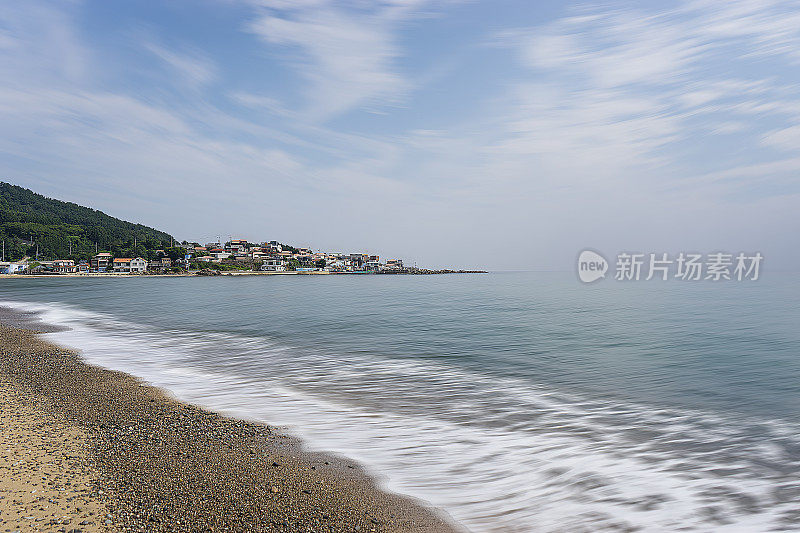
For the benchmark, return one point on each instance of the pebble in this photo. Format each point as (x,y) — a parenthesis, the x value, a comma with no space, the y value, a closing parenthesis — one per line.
(168,466)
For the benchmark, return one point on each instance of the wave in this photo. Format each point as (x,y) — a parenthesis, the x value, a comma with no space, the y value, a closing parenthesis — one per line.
(496,454)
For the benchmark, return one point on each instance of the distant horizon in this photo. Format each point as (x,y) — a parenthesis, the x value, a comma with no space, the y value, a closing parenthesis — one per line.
(179,241)
(450,133)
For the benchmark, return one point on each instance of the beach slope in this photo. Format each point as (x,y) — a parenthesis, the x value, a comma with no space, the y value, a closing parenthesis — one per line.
(133,459)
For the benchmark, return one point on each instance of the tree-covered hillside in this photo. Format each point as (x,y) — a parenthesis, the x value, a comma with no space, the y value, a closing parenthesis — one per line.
(28,219)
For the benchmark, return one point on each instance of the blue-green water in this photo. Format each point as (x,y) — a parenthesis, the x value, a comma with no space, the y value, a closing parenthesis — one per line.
(514,401)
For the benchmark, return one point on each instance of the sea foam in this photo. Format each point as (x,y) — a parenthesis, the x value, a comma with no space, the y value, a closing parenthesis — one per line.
(496,454)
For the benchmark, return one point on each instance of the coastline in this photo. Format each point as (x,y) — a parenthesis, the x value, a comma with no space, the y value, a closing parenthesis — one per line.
(234,273)
(155,464)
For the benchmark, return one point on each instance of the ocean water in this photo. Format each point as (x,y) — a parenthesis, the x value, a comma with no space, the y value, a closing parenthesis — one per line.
(512,401)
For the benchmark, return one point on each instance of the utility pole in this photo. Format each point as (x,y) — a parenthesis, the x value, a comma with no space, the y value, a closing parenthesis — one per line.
(4,251)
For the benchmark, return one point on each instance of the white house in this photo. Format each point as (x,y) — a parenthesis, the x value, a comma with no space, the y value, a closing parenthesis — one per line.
(336,265)
(138,265)
(273,265)
(65,266)
(219,256)
(133,266)
(12,268)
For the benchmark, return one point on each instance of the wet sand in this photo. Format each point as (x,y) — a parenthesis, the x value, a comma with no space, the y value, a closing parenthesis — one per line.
(133,459)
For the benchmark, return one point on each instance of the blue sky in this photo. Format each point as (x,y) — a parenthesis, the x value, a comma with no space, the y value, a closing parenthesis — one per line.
(502,135)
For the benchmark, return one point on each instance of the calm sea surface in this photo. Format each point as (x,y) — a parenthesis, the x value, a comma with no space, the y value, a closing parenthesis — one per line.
(513,401)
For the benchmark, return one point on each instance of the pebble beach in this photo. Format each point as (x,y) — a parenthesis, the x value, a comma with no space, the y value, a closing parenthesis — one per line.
(86,449)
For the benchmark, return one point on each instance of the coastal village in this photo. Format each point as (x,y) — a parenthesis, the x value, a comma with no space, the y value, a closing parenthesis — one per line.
(42,236)
(234,256)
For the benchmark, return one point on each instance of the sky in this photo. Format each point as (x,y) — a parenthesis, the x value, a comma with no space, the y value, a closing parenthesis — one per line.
(502,134)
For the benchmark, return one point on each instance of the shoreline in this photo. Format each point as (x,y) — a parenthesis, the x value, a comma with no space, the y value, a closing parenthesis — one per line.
(198,274)
(162,465)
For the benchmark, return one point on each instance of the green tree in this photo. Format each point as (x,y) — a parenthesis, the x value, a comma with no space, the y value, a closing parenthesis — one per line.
(292,265)
(176,252)
(27,217)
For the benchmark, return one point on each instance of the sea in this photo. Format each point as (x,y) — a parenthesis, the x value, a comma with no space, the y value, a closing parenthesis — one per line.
(513,402)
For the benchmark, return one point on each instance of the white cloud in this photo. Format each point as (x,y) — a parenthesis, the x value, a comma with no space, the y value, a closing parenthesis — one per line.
(728,127)
(785,139)
(349,53)
(38,43)
(191,66)
(259,101)
(622,87)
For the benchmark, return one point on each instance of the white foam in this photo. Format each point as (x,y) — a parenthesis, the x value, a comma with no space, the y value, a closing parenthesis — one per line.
(497,455)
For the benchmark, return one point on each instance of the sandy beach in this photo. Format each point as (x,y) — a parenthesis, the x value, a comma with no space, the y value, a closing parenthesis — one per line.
(47,478)
(87,449)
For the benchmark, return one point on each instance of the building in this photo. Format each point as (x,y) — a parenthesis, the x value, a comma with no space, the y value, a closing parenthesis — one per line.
(139,265)
(273,264)
(336,265)
(101,262)
(44,266)
(122,264)
(64,266)
(394,264)
(12,268)
(132,266)
(357,261)
(219,254)
(236,246)
(160,265)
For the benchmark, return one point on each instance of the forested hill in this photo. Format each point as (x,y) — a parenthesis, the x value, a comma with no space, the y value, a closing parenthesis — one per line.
(28,219)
